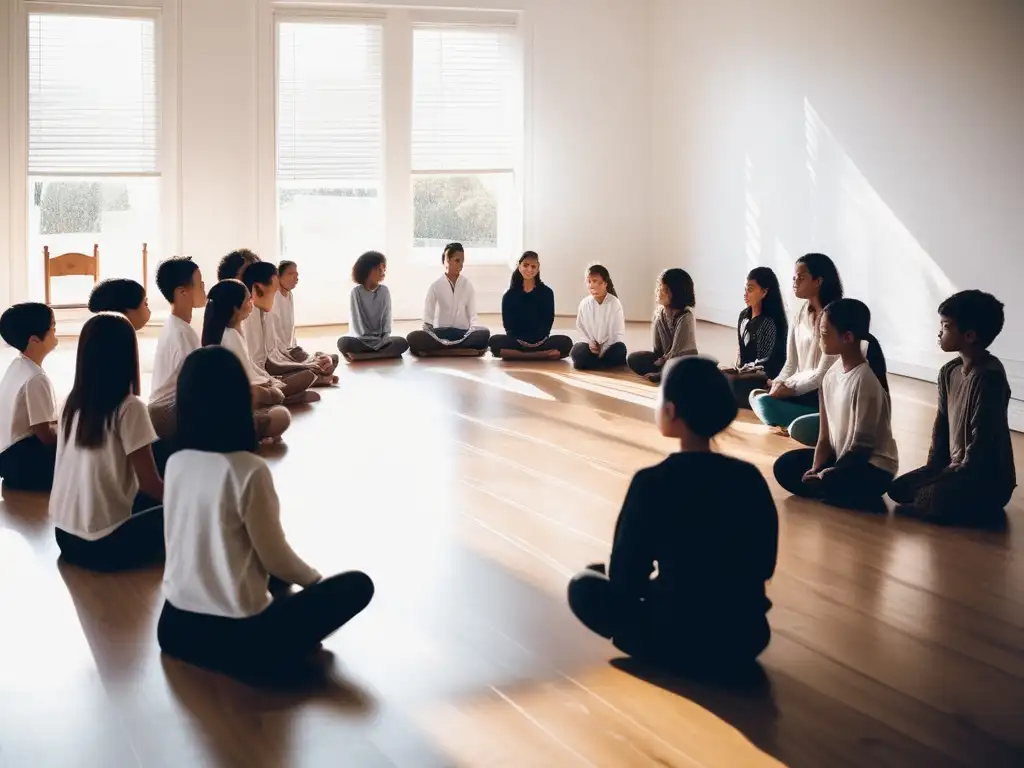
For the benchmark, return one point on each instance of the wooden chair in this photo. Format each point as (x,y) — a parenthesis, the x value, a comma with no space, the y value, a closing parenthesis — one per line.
(68,264)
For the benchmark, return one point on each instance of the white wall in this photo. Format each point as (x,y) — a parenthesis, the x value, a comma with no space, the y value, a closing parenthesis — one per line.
(586,196)
(886,134)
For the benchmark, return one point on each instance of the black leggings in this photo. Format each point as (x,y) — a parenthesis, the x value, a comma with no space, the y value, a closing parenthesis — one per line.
(396,346)
(744,383)
(635,631)
(28,465)
(642,363)
(950,498)
(421,342)
(501,342)
(290,628)
(137,543)
(855,485)
(585,360)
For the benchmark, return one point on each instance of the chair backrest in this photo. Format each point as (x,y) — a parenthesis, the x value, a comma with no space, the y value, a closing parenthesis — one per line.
(68,264)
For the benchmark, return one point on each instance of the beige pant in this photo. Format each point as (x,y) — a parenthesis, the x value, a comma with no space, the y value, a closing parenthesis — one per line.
(270,422)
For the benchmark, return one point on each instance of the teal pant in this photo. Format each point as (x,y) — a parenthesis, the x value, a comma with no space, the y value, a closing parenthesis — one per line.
(797,415)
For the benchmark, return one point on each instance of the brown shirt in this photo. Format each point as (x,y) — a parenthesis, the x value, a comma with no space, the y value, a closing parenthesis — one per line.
(972,431)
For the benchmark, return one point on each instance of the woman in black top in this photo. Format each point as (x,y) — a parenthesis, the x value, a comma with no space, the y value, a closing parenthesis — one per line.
(761,331)
(686,584)
(528,312)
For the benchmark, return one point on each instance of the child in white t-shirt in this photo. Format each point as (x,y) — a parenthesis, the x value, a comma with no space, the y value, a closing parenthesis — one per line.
(284,317)
(602,323)
(28,441)
(181,283)
(106,498)
(226,546)
(122,295)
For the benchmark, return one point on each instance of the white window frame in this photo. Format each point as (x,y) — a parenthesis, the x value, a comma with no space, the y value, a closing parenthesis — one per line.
(397,86)
(166,16)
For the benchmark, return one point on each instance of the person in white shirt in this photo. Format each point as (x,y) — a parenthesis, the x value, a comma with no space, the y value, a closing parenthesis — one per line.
(855,460)
(227,306)
(369,325)
(181,283)
(229,572)
(260,334)
(449,314)
(791,401)
(601,321)
(284,314)
(106,497)
(28,441)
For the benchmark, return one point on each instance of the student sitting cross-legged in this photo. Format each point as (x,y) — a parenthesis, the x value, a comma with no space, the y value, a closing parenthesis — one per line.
(674,329)
(449,313)
(28,441)
(181,283)
(790,401)
(261,337)
(969,476)
(107,493)
(369,335)
(528,312)
(761,332)
(284,314)
(855,459)
(227,305)
(121,295)
(601,321)
(225,543)
(685,586)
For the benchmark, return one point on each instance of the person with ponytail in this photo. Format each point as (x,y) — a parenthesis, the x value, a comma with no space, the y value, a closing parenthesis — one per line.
(761,333)
(528,313)
(789,401)
(601,321)
(228,304)
(674,329)
(449,313)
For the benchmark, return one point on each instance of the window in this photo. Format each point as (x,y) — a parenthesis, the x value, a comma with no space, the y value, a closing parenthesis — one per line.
(329,154)
(466,125)
(93,134)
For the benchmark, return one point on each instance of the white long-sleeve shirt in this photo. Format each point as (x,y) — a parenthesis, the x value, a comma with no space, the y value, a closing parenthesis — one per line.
(234,341)
(264,339)
(450,306)
(858,414)
(284,314)
(602,324)
(806,364)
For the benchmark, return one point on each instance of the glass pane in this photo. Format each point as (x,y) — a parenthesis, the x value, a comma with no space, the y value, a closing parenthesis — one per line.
(72,214)
(323,227)
(478,210)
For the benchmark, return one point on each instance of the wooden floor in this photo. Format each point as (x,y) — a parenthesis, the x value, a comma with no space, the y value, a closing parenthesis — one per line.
(470,490)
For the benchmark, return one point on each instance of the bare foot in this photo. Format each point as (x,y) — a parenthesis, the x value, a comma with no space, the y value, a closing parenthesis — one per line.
(782,431)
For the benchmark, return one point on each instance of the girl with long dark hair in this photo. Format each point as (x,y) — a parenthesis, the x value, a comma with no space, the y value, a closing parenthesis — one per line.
(793,394)
(761,332)
(106,498)
(528,313)
(225,544)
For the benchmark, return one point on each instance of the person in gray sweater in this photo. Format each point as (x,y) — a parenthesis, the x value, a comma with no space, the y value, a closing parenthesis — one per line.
(969,476)
(369,336)
(674,329)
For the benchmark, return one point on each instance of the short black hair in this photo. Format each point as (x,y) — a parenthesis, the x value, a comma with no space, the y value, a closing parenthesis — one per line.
(118,294)
(232,264)
(700,393)
(680,285)
(850,316)
(21,322)
(174,273)
(450,249)
(284,265)
(259,273)
(976,311)
(214,404)
(365,264)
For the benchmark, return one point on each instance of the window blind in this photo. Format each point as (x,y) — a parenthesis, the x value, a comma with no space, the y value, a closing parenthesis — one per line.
(329,117)
(92,103)
(466,102)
